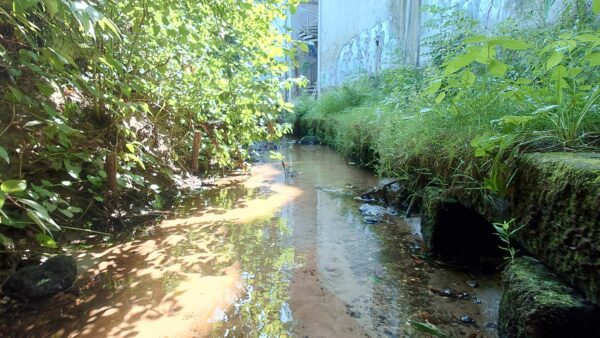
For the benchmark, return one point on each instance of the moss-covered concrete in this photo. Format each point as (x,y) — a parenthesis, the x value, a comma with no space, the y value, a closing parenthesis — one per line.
(557,197)
(536,303)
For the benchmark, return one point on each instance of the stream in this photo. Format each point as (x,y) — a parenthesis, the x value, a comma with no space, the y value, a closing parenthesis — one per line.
(269,255)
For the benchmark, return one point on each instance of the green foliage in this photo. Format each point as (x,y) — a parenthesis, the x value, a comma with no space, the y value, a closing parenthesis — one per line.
(459,123)
(81,80)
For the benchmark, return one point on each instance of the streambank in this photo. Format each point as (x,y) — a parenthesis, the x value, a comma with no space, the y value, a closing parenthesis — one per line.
(554,196)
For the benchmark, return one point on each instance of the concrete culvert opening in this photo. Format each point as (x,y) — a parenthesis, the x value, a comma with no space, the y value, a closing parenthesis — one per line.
(459,234)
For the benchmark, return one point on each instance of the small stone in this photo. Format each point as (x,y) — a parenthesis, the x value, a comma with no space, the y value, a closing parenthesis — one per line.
(447,292)
(330,268)
(472,283)
(467,319)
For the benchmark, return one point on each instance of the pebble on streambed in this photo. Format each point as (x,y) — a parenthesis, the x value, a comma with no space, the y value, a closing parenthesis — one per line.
(467,319)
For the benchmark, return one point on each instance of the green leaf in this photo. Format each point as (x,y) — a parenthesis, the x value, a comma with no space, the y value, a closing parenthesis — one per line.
(594,59)
(511,44)
(51,6)
(20,6)
(17,94)
(74,210)
(516,119)
(596,6)
(46,241)
(72,169)
(554,60)
(11,186)
(440,97)
(66,212)
(135,159)
(2,199)
(460,62)
(497,68)
(469,77)
(49,206)
(276,155)
(4,155)
(34,216)
(39,214)
(559,73)
(433,87)
(588,38)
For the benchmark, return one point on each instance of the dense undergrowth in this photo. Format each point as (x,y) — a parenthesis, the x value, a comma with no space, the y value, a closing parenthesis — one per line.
(458,123)
(90,86)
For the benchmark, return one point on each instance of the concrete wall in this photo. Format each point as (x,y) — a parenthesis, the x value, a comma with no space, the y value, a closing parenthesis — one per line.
(358,36)
(365,36)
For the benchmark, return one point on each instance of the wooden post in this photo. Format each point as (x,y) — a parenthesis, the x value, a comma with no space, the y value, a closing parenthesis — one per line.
(111,172)
(196,151)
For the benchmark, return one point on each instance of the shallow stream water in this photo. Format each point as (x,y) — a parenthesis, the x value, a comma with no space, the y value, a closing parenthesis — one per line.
(268,255)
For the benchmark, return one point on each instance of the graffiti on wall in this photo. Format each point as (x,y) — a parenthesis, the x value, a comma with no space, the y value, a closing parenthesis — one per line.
(370,51)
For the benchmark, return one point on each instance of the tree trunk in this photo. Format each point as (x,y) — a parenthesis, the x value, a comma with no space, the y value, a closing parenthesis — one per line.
(111,172)
(196,151)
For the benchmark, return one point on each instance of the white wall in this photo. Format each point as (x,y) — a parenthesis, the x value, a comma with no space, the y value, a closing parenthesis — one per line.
(365,36)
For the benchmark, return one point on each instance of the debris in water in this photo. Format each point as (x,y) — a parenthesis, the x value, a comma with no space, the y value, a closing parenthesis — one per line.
(467,319)
(472,283)
(428,328)
(371,220)
(464,295)
(447,293)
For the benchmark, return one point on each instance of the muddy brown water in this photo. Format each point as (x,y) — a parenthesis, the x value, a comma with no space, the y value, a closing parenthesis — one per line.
(267,256)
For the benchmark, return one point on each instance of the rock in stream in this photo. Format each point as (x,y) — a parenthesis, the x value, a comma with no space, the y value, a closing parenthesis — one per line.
(36,282)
